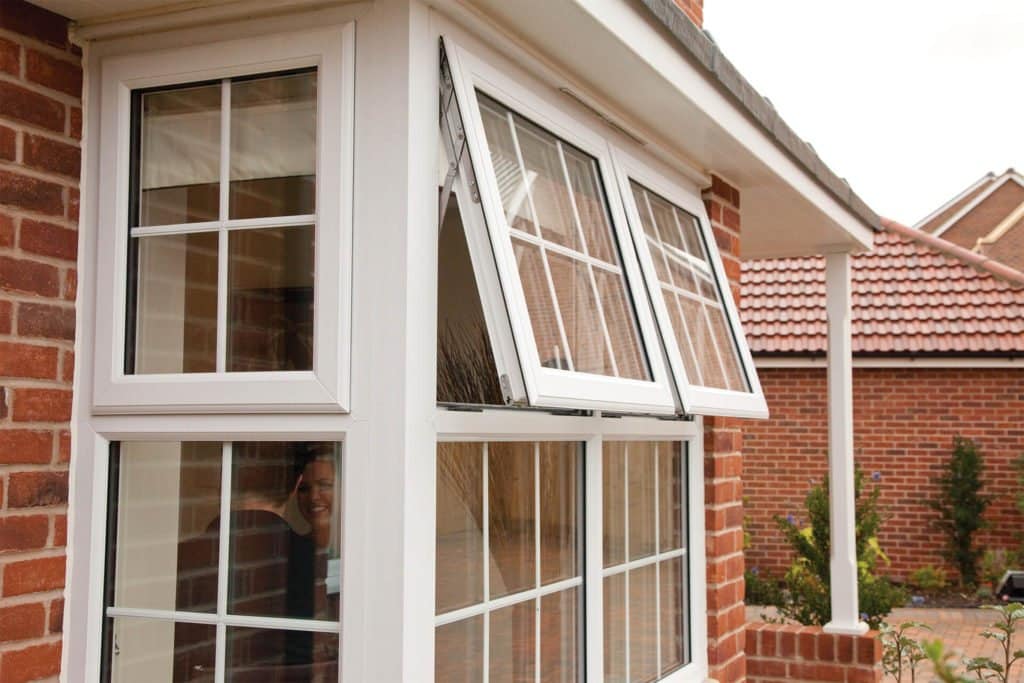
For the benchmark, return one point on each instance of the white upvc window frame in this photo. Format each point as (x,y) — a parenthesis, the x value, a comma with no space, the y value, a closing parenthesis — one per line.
(493,425)
(682,192)
(325,388)
(519,358)
(219,619)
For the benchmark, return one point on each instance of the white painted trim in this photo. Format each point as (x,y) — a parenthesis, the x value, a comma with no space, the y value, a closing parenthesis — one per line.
(1011,219)
(952,362)
(549,387)
(695,398)
(326,388)
(843,571)
(970,188)
(973,204)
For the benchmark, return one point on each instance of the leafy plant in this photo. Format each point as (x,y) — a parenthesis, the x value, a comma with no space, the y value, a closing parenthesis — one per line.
(940,658)
(960,505)
(806,595)
(994,564)
(929,579)
(1002,631)
(761,590)
(900,652)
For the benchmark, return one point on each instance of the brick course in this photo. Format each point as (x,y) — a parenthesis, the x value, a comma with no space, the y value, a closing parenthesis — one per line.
(778,652)
(40,158)
(904,423)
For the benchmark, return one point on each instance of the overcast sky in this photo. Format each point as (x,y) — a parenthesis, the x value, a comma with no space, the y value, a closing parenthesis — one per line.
(909,100)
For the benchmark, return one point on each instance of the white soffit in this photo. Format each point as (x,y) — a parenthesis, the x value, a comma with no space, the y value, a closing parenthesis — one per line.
(633,70)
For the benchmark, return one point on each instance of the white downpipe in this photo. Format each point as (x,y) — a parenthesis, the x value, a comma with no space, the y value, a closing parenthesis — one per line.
(843,561)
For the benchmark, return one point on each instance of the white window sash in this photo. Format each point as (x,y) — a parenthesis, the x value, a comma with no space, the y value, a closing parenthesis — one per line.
(324,388)
(518,356)
(683,193)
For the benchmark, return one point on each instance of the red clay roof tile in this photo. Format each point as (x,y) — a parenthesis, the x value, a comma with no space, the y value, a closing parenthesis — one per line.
(912,293)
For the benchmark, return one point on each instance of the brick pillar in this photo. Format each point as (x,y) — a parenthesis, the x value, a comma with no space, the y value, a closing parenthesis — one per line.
(693,9)
(40,158)
(723,486)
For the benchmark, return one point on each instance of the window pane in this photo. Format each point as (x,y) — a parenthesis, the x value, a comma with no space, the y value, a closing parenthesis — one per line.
(256,655)
(682,262)
(167,506)
(559,508)
(580,316)
(176,303)
(622,328)
(459,651)
(590,206)
(273,146)
(511,518)
(643,624)
(614,502)
(270,280)
(552,192)
(179,156)
(673,615)
(615,645)
(543,316)
(460,541)
(160,650)
(671,484)
(285,538)
(466,372)
(512,643)
(559,637)
(641,463)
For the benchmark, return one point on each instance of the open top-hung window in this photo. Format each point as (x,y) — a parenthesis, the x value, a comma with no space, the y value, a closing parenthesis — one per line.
(575,319)
(228,211)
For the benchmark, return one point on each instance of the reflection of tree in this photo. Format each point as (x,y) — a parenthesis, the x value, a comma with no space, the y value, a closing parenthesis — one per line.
(465,368)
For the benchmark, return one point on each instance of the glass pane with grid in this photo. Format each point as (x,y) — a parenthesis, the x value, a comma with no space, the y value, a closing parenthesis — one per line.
(645,560)
(222,224)
(509,561)
(696,312)
(557,218)
(214,547)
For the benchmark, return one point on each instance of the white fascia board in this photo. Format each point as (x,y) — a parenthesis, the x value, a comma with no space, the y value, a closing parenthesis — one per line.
(950,362)
(634,30)
(973,204)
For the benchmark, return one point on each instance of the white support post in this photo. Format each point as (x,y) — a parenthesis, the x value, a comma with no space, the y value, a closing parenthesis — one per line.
(843,561)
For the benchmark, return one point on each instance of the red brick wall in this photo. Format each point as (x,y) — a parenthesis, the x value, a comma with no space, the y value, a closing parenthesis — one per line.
(723,488)
(904,423)
(40,128)
(804,653)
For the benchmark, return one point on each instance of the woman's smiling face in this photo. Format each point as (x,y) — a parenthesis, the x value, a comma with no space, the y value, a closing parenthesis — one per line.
(316,493)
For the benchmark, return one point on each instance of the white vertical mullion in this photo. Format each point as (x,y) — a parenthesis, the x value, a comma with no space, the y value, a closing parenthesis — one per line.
(625,574)
(657,553)
(590,271)
(536,555)
(593,591)
(223,549)
(222,242)
(487,563)
(543,252)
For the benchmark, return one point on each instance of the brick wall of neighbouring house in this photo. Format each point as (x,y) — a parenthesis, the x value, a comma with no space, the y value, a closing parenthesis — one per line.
(904,423)
(723,469)
(778,652)
(1009,248)
(40,129)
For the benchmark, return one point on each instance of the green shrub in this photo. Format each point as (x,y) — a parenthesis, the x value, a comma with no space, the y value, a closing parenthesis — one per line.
(806,597)
(961,505)
(761,590)
(929,579)
(994,564)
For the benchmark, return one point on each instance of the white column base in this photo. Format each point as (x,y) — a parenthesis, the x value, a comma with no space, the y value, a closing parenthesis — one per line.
(857,628)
